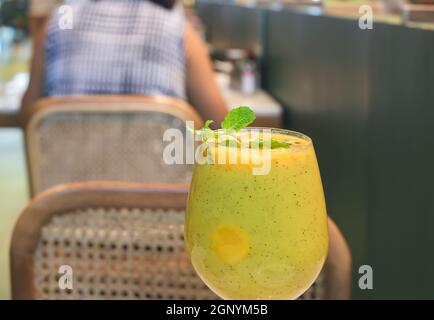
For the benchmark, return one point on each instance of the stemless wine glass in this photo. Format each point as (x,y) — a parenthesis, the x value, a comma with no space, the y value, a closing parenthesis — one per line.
(253,236)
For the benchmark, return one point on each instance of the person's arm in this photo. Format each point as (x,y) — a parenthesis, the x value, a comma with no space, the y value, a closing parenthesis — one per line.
(338,265)
(202,89)
(39,12)
(36,24)
(34,90)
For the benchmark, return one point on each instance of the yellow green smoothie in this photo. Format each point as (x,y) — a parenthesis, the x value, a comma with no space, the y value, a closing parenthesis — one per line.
(259,236)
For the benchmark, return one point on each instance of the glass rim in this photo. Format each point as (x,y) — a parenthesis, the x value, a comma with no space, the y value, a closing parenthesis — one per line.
(286,132)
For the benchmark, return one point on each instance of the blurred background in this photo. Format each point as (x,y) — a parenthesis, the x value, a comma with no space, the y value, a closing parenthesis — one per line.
(365,97)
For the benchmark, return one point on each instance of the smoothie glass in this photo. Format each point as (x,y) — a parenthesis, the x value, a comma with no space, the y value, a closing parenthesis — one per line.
(259,236)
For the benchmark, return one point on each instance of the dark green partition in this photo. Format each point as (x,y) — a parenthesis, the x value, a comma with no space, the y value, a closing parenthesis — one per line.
(230,26)
(401,162)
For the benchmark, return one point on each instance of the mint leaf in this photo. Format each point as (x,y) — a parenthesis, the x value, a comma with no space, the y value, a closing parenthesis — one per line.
(235,120)
(278,144)
(207,124)
(238,119)
(206,132)
(274,144)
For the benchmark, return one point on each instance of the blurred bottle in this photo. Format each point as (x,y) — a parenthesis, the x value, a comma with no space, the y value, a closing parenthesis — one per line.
(248,78)
(244,75)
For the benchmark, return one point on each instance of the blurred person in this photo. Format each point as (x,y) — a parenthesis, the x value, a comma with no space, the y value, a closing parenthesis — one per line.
(131,47)
(39,12)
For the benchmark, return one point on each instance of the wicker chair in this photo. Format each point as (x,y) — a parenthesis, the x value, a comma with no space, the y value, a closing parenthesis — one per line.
(91,138)
(124,241)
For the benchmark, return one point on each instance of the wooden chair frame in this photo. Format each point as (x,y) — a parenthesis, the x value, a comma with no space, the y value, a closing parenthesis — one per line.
(67,198)
(106,104)
(70,197)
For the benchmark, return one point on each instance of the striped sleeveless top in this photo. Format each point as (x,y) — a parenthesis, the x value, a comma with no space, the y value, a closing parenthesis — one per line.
(116,47)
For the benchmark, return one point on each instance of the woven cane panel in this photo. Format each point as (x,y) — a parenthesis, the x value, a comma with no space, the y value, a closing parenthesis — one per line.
(105,146)
(121,254)
(117,254)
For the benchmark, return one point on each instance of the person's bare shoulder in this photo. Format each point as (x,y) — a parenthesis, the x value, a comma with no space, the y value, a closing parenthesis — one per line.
(193,42)
(42,8)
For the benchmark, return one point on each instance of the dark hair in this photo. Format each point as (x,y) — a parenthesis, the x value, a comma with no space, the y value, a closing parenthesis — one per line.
(168,4)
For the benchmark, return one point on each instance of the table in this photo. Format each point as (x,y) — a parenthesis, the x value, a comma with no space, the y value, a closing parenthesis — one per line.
(9,119)
(13,196)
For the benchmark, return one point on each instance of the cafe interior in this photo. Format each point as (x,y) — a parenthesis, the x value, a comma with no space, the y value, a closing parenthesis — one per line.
(90,89)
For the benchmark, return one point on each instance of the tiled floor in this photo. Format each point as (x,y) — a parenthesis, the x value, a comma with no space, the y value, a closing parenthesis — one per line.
(13,196)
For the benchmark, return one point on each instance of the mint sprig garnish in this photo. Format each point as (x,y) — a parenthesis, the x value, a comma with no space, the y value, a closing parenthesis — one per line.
(237,119)
(206,132)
